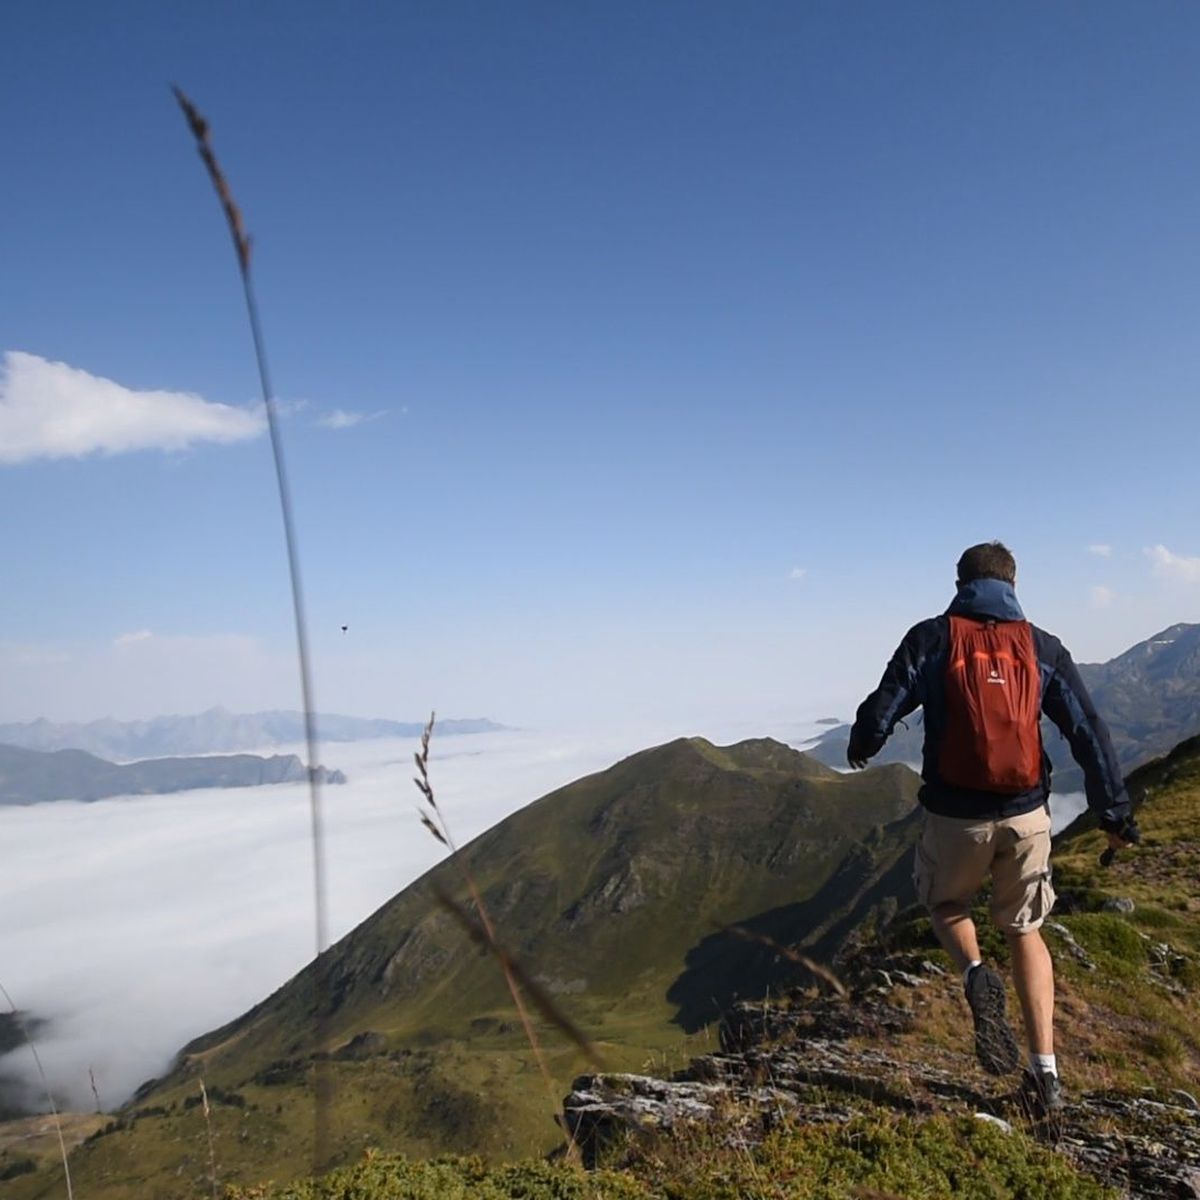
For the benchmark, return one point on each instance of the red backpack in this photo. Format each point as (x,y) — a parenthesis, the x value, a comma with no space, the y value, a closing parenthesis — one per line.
(993,737)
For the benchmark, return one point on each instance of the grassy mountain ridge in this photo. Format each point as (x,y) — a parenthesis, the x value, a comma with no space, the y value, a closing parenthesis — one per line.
(578,882)
(34,776)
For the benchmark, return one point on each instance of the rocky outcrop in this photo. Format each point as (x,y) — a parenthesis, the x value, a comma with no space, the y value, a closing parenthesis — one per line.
(325,775)
(362,1046)
(825,1060)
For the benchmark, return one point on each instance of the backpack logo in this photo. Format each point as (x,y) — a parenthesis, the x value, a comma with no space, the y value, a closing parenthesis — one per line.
(994,676)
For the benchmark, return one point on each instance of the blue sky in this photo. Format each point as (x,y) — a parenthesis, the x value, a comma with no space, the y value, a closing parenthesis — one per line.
(686,346)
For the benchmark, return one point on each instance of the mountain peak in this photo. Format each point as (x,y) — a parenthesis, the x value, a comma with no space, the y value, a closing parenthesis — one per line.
(697,758)
(763,754)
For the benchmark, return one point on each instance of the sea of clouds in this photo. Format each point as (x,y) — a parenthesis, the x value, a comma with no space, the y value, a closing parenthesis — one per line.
(134,924)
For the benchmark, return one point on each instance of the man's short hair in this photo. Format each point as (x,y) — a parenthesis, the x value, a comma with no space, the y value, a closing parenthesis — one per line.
(988,560)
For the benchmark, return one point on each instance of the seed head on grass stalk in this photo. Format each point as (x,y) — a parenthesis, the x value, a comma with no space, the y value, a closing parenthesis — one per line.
(483,933)
(241,244)
(37,1059)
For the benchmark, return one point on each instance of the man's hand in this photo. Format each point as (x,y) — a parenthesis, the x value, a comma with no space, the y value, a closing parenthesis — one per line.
(858,753)
(1126,834)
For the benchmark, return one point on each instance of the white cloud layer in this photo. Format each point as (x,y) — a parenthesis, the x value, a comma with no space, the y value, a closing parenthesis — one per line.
(133,925)
(340,418)
(1100,549)
(52,410)
(1101,596)
(1167,565)
(797,572)
(131,639)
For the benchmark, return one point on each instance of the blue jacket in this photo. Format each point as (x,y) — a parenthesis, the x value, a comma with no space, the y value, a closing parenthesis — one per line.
(915,677)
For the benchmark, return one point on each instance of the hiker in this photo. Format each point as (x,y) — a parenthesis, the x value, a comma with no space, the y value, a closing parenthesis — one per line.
(984,676)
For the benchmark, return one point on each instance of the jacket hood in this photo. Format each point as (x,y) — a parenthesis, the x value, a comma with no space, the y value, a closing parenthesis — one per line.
(987,598)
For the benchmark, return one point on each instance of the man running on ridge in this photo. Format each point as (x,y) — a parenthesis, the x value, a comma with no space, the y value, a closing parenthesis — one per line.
(984,676)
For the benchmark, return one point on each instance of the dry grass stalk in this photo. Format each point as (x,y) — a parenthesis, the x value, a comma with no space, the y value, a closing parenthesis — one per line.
(792,955)
(212,1153)
(241,243)
(37,1058)
(95,1090)
(541,999)
(199,128)
(483,933)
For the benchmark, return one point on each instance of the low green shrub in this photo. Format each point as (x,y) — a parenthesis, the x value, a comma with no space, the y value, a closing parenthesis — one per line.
(388,1178)
(16,1167)
(920,1160)
(895,1156)
(1111,940)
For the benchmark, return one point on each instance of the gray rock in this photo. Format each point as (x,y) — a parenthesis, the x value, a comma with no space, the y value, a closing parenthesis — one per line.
(1189,1182)
(1073,948)
(999,1122)
(1118,904)
(367,1044)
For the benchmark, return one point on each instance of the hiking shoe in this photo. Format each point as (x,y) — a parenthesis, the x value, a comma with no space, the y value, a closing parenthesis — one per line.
(1043,1094)
(995,1043)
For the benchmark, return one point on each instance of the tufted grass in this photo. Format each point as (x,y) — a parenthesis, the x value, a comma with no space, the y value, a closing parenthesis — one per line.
(884,1156)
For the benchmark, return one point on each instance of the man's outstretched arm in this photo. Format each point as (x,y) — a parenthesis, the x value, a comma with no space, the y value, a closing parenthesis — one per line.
(899,693)
(1066,702)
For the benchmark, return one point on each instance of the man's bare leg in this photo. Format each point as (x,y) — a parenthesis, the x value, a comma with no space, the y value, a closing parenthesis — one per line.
(995,1046)
(1033,977)
(955,931)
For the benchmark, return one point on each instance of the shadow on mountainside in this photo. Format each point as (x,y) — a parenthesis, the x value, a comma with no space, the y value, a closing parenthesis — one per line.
(872,883)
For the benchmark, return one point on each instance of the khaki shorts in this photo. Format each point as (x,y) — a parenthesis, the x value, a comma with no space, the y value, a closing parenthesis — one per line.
(955,856)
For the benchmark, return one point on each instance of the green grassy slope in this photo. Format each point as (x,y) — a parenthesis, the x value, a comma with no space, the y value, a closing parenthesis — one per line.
(605,889)
(695,837)
(601,887)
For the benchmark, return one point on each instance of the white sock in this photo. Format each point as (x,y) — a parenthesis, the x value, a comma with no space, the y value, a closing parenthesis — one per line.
(1044,1063)
(975,962)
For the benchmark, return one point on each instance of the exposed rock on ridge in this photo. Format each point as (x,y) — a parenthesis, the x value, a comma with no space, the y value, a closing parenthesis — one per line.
(822,1060)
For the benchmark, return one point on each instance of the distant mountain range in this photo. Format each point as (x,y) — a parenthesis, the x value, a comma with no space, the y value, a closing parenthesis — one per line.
(213,732)
(35,776)
(1149,696)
